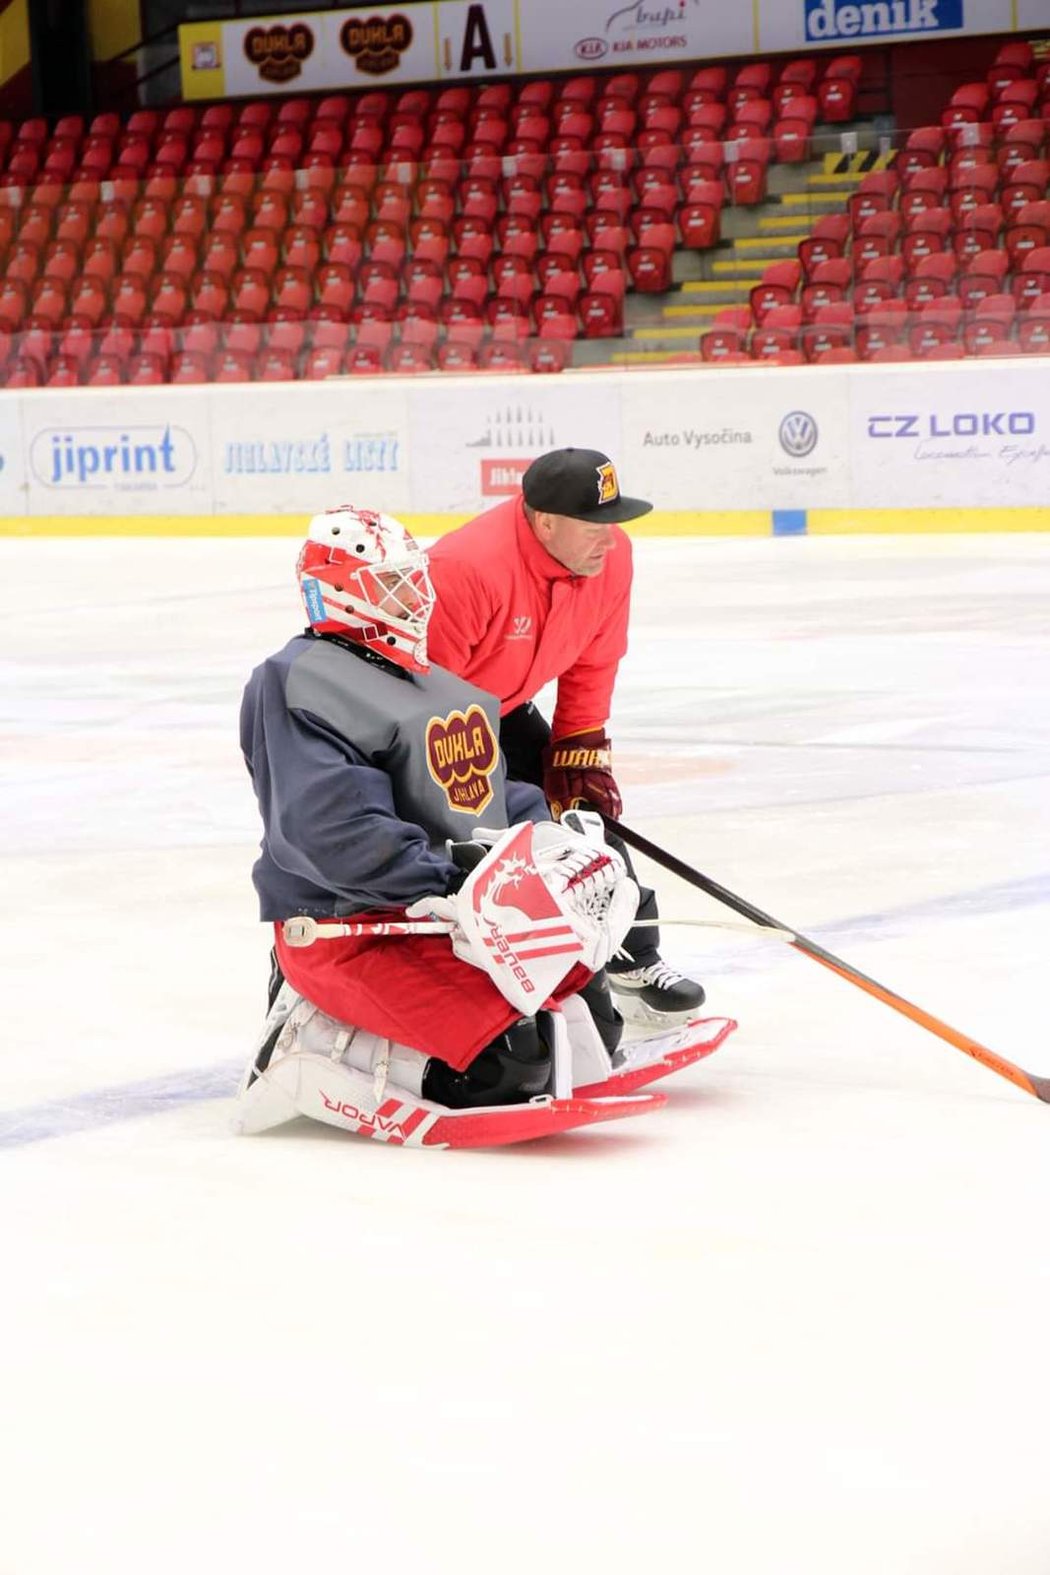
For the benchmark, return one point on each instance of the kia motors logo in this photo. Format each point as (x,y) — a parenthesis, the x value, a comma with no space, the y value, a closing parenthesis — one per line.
(798,434)
(590,48)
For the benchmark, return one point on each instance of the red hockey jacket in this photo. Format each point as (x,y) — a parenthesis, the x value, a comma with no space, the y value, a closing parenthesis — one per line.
(510,618)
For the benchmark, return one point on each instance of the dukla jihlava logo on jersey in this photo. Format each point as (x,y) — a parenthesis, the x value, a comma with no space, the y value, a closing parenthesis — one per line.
(461,757)
(608,486)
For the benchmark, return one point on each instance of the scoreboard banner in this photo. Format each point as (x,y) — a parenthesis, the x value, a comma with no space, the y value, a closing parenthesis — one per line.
(454,40)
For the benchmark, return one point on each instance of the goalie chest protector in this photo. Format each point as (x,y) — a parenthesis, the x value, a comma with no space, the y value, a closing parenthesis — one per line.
(436,737)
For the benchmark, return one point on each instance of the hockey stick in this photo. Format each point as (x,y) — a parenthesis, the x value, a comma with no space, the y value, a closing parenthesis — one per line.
(304,931)
(1038,1086)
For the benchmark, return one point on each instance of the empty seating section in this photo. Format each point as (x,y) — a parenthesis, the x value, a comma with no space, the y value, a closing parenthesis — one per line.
(944,254)
(384,230)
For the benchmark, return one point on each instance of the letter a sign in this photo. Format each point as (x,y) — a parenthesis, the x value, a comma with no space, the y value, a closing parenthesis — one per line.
(478,38)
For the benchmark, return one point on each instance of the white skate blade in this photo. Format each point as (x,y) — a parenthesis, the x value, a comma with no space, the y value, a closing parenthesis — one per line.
(647,1060)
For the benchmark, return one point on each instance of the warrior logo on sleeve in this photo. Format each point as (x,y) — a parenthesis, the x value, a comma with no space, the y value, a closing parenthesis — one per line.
(461,757)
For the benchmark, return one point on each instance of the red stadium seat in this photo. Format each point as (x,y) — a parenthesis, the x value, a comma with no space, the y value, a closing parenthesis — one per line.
(723,344)
(274,366)
(104,372)
(600,314)
(837,96)
(779,286)
(463,322)
(231,367)
(418,325)
(746,177)
(188,367)
(342,244)
(408,358)
(501,355)
(932,278)
(1034,278)
(146,370)
(983,277)
(827,284)
(876,236)
(700,225)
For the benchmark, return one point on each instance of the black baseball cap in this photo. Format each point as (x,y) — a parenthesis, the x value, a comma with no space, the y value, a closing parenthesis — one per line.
(582,484)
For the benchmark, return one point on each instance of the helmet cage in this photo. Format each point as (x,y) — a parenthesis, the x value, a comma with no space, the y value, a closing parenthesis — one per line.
(384,604)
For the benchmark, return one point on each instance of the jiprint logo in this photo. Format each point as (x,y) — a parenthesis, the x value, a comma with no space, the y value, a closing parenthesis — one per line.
(798,434)
(133,459)
(278,52)
(461,757)
(827,19)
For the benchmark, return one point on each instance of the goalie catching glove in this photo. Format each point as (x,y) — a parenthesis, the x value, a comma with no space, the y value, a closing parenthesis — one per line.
(577,771)
(541,901)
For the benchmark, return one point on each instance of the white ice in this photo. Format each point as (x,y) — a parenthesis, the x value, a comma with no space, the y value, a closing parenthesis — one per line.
(796,1322)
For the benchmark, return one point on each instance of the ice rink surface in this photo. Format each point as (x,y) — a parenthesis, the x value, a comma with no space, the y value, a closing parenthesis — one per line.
(796,1322)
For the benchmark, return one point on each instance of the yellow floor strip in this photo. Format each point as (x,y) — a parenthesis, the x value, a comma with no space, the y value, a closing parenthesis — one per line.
(744,522)
(747,264)
(639,335)
(748,241)
(196,524)
(697,313)
(779,222)
(809,199)
(709,286)
(847,182)
(923,522)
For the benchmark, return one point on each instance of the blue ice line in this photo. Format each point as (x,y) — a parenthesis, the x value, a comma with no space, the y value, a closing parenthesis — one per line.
(103,1107)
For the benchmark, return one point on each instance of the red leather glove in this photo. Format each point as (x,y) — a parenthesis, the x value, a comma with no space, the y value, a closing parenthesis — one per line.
(577,773)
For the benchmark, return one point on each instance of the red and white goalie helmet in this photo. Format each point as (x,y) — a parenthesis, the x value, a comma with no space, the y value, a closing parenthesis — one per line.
(362,576)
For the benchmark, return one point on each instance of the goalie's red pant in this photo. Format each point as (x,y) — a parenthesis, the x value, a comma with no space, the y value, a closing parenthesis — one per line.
(409,988)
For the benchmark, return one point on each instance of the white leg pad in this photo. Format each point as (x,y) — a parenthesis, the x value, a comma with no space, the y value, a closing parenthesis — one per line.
(590,1059)
(360,1070)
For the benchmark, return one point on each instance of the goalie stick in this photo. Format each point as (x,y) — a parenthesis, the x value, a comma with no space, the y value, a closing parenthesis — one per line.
(1039,1087)
(304,931)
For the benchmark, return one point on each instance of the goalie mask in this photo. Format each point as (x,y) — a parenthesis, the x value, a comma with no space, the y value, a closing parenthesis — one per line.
(362,576)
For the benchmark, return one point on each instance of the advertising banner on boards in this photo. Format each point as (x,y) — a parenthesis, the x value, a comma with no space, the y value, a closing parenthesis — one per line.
(473,438)
(738,440)
(112,451)
(13,499)
(847,24)
(954,435)
(360,47)
(342,442)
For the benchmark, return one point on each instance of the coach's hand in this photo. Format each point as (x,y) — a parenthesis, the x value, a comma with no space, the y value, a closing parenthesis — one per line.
(577,772)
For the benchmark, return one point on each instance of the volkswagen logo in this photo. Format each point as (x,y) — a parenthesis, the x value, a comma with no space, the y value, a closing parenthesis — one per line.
(798,434)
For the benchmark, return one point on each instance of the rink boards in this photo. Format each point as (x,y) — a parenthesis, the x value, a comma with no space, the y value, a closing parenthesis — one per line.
(957,446)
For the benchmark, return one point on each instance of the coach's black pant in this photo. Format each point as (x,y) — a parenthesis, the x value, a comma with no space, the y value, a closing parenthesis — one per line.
(524,734)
